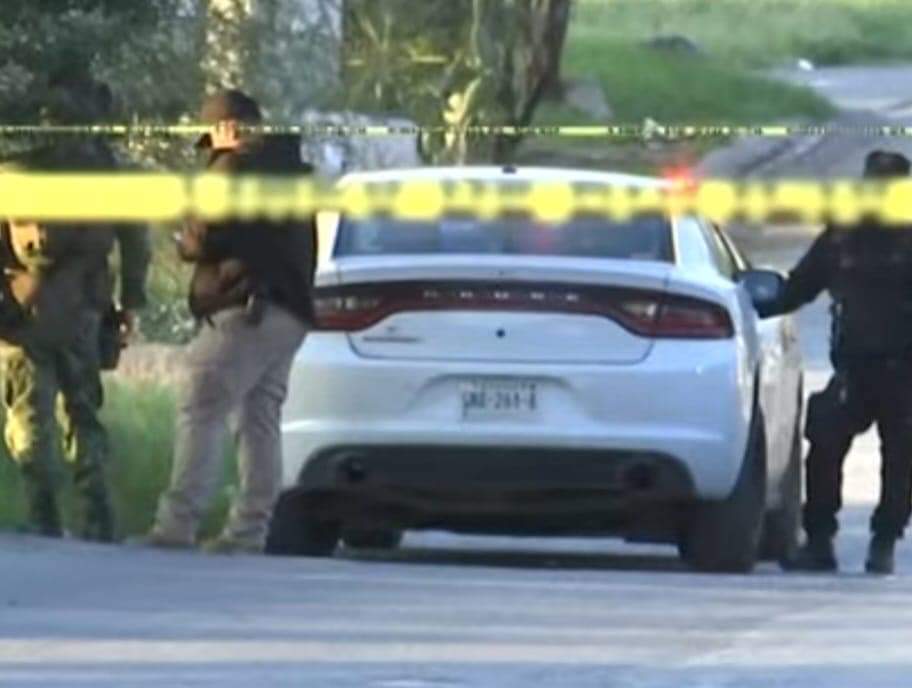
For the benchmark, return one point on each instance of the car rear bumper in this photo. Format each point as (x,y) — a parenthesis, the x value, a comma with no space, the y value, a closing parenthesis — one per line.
(473,470)
(687,411)
(500,490)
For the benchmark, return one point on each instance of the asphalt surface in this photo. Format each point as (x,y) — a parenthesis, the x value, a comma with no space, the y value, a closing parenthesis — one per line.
(453,612)
(448,611)
(886,90)
(869,99)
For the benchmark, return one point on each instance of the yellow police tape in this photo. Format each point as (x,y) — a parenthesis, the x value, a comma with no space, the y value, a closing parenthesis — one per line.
(165,197)
(617,131)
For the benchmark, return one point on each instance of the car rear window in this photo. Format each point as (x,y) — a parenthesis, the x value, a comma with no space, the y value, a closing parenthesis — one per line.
(641,238)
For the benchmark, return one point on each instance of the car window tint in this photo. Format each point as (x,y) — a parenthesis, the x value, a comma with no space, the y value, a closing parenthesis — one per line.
(641,238)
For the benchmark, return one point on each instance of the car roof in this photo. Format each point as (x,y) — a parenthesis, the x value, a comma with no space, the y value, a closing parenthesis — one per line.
(491,173)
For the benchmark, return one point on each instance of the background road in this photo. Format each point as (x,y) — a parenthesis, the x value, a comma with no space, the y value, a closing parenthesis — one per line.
(452,612)
(875,95)
(886,90)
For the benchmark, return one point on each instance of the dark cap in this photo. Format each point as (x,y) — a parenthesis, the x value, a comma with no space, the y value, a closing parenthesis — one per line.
(228,104)
(880,163)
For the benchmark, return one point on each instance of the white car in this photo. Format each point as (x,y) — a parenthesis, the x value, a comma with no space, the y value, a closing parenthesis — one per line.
(509,377)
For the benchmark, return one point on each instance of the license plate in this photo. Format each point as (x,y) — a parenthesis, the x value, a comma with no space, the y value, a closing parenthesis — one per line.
(499,399)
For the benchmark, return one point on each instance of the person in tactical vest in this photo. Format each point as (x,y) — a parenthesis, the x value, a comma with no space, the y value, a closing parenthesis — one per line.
(251,294)
(867,269)
(57,289)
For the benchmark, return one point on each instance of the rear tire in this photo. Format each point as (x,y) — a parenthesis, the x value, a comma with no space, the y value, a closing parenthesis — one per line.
(724,536)
(372,539)
(297,530)
(780,532)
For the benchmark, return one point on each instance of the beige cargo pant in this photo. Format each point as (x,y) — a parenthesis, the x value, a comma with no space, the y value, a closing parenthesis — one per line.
(234,367)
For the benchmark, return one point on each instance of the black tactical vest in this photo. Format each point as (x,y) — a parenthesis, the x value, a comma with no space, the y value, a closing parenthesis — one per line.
(871,285)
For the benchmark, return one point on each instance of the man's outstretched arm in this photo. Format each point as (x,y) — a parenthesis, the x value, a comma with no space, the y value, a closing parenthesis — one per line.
(807,280)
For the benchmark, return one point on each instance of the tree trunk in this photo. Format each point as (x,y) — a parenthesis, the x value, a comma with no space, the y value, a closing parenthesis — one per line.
(555,37)
(500,57)
(227,58)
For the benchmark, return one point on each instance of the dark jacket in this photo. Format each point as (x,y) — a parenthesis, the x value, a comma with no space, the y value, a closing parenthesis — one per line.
(56,269)
(867,269)
(237,260)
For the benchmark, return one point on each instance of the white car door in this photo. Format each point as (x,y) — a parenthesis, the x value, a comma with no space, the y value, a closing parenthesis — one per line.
(780,371)
(698,249)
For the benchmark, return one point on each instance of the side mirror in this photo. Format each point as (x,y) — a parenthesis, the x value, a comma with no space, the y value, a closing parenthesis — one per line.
(765,288)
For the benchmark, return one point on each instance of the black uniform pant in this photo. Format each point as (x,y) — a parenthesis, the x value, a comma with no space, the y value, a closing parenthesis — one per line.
(875,391)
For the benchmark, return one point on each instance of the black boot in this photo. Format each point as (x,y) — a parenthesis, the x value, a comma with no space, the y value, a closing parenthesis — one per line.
(880,555)
(98,520)
(44,516)
(817,554)
(100,527)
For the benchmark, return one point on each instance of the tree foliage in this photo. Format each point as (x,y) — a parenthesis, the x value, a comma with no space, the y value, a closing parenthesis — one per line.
(456,64)
(134,47)
(283,52)
(158,57)
(135,44)
(437,62)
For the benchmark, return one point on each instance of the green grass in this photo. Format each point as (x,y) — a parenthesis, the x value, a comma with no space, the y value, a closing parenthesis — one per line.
(640,83)
(140,420)
(758,33)
(725,84)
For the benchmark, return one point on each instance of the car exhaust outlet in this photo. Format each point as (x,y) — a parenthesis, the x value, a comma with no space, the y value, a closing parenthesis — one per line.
(352,469)
(640,477)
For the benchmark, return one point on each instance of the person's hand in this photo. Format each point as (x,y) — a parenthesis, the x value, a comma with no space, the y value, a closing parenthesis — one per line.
(129,327)
(225,135)
(189,241)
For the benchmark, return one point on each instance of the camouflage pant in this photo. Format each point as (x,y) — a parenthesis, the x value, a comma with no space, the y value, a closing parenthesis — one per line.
(63,383)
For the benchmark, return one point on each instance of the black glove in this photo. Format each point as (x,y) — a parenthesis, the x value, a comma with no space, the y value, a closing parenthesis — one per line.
(770,309)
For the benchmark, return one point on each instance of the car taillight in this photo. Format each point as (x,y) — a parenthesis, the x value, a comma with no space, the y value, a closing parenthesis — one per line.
(348,313)
(690,318)
(669,316)
(646,313)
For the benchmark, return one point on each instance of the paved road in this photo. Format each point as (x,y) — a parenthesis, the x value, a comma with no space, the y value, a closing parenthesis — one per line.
(883,89)
(452,612)
(867,97)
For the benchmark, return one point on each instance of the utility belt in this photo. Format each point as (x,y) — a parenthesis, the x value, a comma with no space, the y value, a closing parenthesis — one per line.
(254,305)
(260,299)
(848,362)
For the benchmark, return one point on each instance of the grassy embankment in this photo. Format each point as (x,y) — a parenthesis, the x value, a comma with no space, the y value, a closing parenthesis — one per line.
(141,423)
(724,84)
